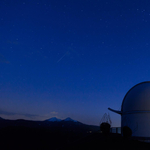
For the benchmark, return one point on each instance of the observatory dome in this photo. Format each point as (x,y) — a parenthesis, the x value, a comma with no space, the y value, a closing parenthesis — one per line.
(135,111)
(137,98)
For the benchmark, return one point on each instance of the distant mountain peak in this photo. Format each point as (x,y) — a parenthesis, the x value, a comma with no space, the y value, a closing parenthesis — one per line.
(53,119)
(69,119)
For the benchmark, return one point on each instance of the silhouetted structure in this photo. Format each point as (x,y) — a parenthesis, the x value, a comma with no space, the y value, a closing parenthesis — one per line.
(127,132)
(135,112)
(105,128)
(105,124)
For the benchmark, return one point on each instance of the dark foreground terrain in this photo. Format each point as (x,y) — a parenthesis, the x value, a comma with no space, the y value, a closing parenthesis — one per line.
(25,138)
(25,134)
(97,141)
(64,135)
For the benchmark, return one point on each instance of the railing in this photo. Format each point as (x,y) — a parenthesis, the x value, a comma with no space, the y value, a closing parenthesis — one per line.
(115,130)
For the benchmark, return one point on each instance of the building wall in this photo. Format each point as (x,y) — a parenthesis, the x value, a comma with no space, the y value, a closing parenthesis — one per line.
(139,123)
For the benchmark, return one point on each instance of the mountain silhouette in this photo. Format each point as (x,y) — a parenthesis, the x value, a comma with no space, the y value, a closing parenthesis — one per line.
(55,123)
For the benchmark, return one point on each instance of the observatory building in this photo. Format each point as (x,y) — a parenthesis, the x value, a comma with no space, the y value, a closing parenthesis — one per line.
(135,111)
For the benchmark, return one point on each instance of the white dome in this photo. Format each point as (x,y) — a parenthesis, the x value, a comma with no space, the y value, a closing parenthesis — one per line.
(135,111)
(137,98)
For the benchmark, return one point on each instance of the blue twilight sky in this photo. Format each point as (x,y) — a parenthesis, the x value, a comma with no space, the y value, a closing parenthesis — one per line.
(71,58)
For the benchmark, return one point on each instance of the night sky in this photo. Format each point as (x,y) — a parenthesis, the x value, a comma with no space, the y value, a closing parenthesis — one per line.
(71,58)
